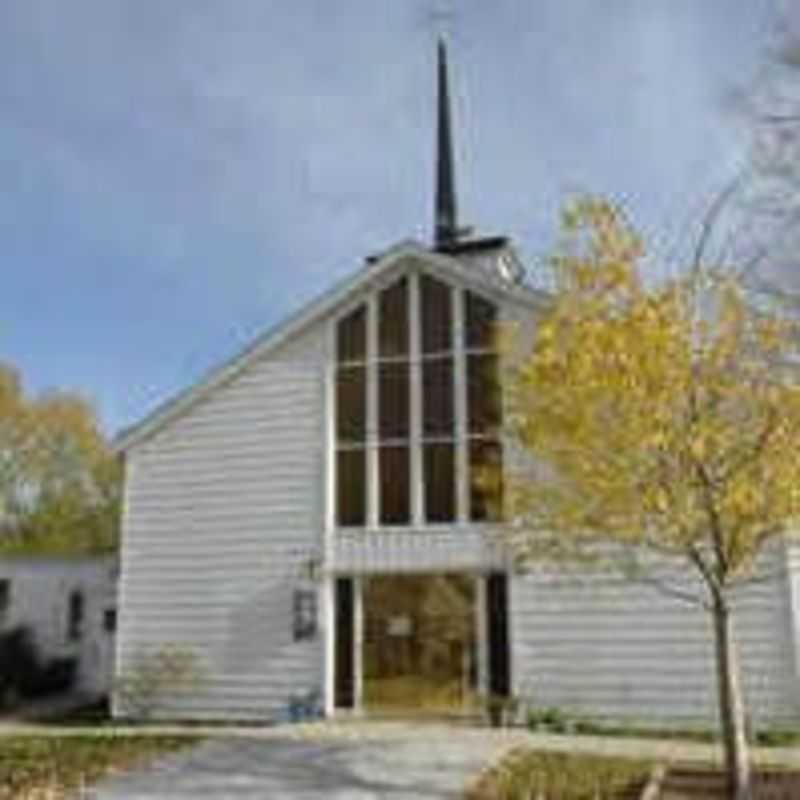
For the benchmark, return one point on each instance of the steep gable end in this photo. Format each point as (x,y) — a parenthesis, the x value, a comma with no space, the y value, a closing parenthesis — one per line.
(464,269)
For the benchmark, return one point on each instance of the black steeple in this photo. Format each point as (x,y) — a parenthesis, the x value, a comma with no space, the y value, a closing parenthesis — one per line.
(446,222)
(448,236)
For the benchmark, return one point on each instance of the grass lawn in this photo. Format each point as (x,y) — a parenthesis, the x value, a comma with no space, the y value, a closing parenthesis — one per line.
(49,766)
(528,774)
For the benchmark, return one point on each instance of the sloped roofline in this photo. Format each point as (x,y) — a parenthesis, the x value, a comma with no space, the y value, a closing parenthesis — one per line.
(322,305)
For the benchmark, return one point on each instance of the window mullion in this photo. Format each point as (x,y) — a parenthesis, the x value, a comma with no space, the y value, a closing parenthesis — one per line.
(460,408)
(372,436)
(415,408)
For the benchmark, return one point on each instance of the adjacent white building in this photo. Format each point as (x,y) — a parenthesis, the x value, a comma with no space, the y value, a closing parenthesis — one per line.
(264,505)
(69,606)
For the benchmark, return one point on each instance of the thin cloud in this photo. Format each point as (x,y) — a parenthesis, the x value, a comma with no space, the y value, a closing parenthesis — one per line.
(187,172)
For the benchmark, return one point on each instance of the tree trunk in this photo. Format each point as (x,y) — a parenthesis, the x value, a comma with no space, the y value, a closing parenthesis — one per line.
(731,703)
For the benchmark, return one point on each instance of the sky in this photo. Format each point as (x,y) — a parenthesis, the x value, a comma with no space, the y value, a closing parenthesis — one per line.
(175,177)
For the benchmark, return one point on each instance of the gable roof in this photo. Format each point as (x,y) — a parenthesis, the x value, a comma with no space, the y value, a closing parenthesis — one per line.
(375,267)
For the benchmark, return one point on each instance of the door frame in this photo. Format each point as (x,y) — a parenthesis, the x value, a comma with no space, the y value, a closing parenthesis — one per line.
(485,627)
(357,582)
(499,679)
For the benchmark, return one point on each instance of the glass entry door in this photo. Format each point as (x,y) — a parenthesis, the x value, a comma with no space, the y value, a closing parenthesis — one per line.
(419,643)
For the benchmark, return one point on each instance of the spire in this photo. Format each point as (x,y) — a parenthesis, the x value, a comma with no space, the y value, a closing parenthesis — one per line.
(446,221)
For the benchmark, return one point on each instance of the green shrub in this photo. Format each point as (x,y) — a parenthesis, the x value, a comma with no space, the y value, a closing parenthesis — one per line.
(153,675)
(552,719)
(777,737)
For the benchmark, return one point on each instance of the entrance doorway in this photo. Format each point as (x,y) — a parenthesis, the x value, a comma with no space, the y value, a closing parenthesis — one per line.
(419,643)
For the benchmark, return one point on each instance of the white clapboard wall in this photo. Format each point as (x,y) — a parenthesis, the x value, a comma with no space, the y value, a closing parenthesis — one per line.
(222,511)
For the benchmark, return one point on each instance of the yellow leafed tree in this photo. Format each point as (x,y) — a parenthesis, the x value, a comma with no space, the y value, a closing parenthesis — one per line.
(659,421)
(59,482)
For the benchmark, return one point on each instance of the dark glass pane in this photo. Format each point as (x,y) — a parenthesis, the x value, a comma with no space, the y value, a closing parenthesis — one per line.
(75,617)
(351,404)
(484,402)
(344,644)
(393,320)
(480,317)
(435,312)
(110,620)
(393,400)
(440,483)
(351,336)
(351,491)
(437,397)
(486,484)
(395,483)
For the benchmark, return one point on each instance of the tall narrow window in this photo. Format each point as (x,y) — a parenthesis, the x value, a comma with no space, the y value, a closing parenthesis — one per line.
(351,404)
(351,487)
(486,487)
(394,405)
(395,486)
(393,320)
(437,397)
(351,418)
(351,340)
(483,393)
(75,616)
(440,482)
(480,323)
(393,400)
(436,315)
(484,409)
(438,400)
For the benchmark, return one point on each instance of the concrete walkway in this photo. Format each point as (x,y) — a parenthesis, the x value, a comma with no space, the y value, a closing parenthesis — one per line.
(355,759)
(314,762)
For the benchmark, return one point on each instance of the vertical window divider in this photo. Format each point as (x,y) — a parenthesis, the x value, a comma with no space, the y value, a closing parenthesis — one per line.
(415,407)
(460,408)
(372,434)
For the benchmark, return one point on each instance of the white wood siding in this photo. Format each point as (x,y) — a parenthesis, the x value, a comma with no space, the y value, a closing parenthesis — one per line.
(225,504)
(223,510)
(449,549)
(606,647)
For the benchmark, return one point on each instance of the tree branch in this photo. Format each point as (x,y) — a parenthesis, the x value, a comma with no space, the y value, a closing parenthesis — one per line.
(672,591)
(694,555)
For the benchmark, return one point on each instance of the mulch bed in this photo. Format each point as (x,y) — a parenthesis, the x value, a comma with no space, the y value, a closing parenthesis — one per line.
(525,773)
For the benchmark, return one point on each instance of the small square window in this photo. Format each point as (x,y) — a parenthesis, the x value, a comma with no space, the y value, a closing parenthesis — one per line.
(304,624)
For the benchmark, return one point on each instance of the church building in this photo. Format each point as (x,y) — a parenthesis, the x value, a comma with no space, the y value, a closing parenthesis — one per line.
(307,522)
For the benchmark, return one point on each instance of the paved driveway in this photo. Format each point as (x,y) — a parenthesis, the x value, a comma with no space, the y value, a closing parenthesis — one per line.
(353,762)
(362,761)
